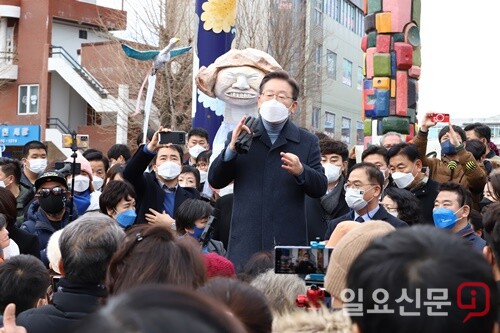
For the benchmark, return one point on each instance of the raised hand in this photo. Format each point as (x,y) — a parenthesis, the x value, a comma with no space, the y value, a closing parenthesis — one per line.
(236,132)
(291,163)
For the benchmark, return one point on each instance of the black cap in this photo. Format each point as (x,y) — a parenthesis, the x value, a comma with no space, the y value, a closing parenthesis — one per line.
(51,176)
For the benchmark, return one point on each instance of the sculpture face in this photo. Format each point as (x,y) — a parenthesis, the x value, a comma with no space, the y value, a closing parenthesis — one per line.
(238,86)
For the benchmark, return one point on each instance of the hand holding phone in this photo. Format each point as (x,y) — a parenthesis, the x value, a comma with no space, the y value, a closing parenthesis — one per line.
(175,137)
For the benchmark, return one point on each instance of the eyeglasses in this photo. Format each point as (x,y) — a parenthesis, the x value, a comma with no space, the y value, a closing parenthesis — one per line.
(358,187)
(279,97)
(201,165)
(45,192)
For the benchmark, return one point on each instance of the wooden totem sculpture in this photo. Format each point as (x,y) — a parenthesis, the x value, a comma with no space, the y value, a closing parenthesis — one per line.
(392,67)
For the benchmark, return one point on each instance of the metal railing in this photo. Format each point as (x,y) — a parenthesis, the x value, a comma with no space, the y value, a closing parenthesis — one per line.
(57,123)
(8,57)
(85,74)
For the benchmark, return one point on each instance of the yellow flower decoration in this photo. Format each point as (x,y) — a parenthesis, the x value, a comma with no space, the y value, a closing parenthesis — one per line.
(218,15)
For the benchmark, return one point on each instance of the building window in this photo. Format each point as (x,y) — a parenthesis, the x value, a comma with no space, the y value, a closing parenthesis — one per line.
(318,14)
(347,73)
(82,34)
(336,10)
(330,122)
(316,112)
(346,130)
(359,82)
(28,99)
(318,54)
(331,64)
(360,133)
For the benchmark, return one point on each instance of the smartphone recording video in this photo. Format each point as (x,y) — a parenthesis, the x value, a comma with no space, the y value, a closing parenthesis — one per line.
(301,260)
(178,138)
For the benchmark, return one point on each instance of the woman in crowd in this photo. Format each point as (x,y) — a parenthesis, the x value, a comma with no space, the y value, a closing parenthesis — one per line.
(202,162)
(27,243)
(85,198)
(402,204)
(189,177)
(246,303)
(170,260)
(117,200)
(191,218)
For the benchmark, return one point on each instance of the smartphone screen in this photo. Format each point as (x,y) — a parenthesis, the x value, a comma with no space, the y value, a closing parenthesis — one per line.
(301,260)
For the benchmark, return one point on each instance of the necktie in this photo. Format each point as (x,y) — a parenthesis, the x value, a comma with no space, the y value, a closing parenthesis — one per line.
(359,219)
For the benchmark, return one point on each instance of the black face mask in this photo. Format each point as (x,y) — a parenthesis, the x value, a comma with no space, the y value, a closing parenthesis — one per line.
(484,202)
(52,204)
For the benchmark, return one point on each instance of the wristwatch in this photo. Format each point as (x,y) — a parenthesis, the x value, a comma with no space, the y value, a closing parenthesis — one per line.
(172,226)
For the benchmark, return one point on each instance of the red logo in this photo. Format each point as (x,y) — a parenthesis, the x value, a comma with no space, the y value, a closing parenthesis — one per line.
(471,288)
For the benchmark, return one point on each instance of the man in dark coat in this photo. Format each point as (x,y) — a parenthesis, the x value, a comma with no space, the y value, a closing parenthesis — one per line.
(363,188)
(331,205)
(50,211)
(406,168)
(158,192)
(283,164)
(86,250)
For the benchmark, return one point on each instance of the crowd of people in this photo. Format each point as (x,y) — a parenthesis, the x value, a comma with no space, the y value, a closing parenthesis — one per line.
(171,238)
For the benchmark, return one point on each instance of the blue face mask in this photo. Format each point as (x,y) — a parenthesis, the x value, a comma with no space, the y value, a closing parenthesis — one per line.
(126,219)
(447,148)
(444,218)
(197,232)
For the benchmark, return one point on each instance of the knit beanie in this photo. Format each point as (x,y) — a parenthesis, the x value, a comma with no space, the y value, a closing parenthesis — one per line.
(218,266)
(348,249)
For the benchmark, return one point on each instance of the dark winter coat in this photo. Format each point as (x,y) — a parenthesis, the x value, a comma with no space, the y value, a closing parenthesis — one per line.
(148,190)
(269,202)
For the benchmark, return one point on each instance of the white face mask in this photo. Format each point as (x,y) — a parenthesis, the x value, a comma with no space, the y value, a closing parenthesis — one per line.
(332,172)
(403,179)
(37,165)
(354,199)
(169,170)
(82,183)
(273,111)
(2,184)
(203,176)
(385,173)
(97,182)
(226,190)
(194,151)
(395,214)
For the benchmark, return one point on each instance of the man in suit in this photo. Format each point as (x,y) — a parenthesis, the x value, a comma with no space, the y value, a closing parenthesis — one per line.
(363,188)
(282,166)
(158,192)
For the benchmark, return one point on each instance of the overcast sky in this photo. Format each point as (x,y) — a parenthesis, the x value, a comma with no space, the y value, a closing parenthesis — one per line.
(459,63)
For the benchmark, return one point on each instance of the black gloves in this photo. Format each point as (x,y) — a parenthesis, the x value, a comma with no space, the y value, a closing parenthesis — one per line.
(242,145)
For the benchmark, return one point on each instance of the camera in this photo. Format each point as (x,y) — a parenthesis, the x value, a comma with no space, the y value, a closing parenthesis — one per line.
(66,168)
(440,117)
(82,141)
(178,138)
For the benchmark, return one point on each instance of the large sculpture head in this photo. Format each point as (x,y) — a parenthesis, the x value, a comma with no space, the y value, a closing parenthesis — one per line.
(235,76)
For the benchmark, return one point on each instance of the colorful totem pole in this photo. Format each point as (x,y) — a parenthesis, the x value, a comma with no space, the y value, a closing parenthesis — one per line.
(392,67)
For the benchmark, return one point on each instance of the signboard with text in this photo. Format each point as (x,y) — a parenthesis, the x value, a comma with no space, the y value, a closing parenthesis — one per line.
(19,135)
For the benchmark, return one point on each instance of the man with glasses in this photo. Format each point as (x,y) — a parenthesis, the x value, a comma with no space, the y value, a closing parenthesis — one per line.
(362,191)
(49,211)
(282,165)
